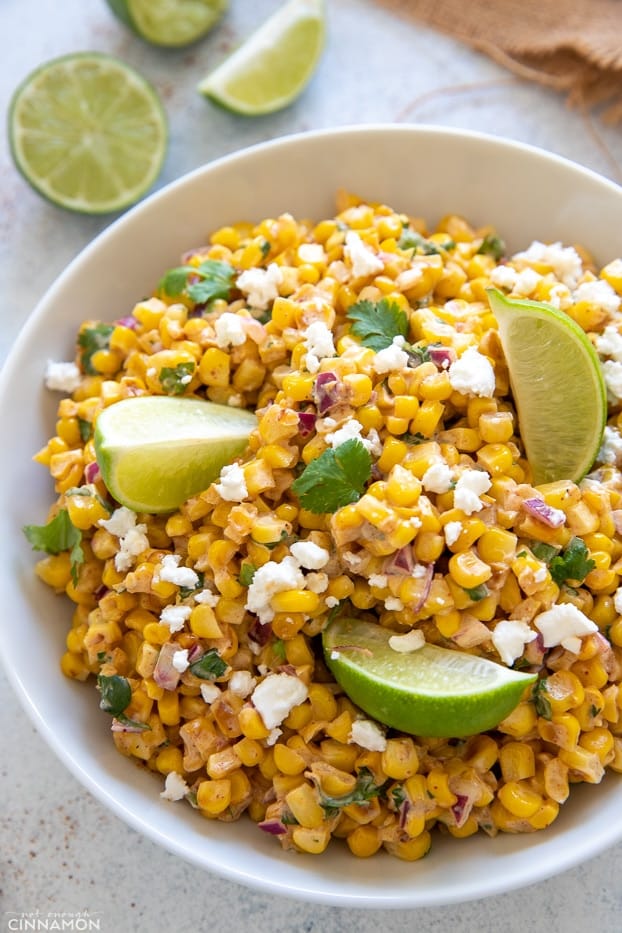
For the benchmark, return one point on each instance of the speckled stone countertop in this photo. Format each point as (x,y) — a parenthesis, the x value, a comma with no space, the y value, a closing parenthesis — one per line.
(60,850)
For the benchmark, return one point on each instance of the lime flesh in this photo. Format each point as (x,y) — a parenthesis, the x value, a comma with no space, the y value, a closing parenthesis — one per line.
(275,63)
(171,23)
(558,387)
(428,692)
(88,132)
(154,452)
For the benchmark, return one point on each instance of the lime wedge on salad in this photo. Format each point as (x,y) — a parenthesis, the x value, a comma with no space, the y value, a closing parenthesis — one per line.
(154,452)
(431,691)
(170,23)
(88,132)
(276,62)
(558,387)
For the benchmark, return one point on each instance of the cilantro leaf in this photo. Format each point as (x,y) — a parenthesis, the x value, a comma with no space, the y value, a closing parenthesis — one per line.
(377,322)
(476,593)
(572,564)
(247,572)
(418,355)
(86,430)
(492,245)
(335,478)
(363,790)
(410,239)
(209,666)
(174,379)
(185,591)
(215,280)
(540,700)
(278,647)
(542,551)
(90,340)
(60,534)
(116,696)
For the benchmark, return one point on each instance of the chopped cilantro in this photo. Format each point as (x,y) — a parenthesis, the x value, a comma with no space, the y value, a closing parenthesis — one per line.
(594,711)
(247,572)
(492,245)
(417,356)
(410,239)
(364,790)
(174,379)
(335,478)
(60,534)
(398,795)
(377,322)
(288,818)
(116,696)
(413,439)
(86,430)
(540,699)
(215,281)
(209,666)
(542,551)
(185,591)
(278,647)
(272,544)
(266,246)
(334,612)
(477,593)
(572,564)
(90,340)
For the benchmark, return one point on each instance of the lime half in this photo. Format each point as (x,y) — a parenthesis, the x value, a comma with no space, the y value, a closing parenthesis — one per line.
(428,692)
(88,132)
(558,387)
(273,66)
(154,452)
(169,22)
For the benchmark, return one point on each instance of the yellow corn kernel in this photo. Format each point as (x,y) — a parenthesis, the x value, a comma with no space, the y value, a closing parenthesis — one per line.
(517,761)
(156,633)
(429,546)
(521,722)
(337,753)
(482,753)
(583,764)
(304,601)
(448,623)
(178,525)
(562,730)
(599,742)
(312,840)
(495,427)
(615,632)
(168,708)
(497,546)
(203,622)
(215,367)
(55,570)
(251,723)
(564,691)
(411,850)
(323,703)
(467,570)
(427,418)
(591,673)
(249,751)
(73,666)
(497,459)
(304,805)
(214,796)
(400,759)
(299,717)
(438,786)
(519,799)
(170,759)
(288,760)
(364,841)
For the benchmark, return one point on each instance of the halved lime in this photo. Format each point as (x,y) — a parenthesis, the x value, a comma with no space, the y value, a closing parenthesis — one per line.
(273,66)
(558,387)
(154,452)
(88,132)
(169,22)
(428,692)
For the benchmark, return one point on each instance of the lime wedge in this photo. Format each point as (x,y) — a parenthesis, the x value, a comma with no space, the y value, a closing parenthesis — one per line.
(273,66)
(88,132)
(169,22)
(428,692)
(558,387)
(154,452)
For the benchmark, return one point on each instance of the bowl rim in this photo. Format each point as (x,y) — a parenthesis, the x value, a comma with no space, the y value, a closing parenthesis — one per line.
(528,873)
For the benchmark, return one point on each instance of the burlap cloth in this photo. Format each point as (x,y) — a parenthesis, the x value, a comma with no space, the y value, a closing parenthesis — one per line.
(572,45)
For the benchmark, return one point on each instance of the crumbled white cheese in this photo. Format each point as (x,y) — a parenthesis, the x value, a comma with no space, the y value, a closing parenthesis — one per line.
(526,282)
(452,531)
(598,293)
(362,258)
(274,736)
(611,447)
(609,343)
(470,486)
(210,692)
(393,604)
(339,271)
(232,486)
(510,637)
(612,371)
(229,330)
(175,788)
(617,600)
(311,252)
(276,696)
(561,624)
(437,478)
(170,571)
(269,579)
(378,579)
(132,537)
(207,598)
(310,555)
(411,641)
(242,683)
(368,735)
(261,286)
(472,374)
(318,341)
(180,660)
(62,377)
(559,296)
(392,358)
(351,430)
(317,582)
(175,617)
(504,277)
(331,602)
(563,260)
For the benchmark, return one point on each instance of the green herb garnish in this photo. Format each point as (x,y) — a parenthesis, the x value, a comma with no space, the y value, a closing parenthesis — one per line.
(364,790)
(418,355)
(572,564)
(215,281)
(90,340)
(209,666)
(86,430)
(186,591)
(376,323)
(492,245)
(247,572)
(60,534)
(540,700)
(542,551)
(175,379)
(477,593)
(278,647)
(116,696)
(335,478)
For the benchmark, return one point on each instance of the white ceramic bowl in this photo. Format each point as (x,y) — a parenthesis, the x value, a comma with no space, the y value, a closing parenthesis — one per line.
(526,194)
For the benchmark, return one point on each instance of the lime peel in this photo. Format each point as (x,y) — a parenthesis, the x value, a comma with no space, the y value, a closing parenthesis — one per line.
(431,691)
(170,23)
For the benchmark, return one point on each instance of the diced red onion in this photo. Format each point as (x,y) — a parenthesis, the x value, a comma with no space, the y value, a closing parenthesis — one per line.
(260,632)
(327,391)
(195,653)
(462,809)
(553,518)
(427,584)
(164,674)
(100,592)
(124,727)
(92,472)
(403,812)
(401,562)
(306,423)
(274,827)
(442,357)
(129,321)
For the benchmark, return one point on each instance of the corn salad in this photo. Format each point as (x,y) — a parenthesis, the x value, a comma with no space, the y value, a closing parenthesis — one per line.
(203,634)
